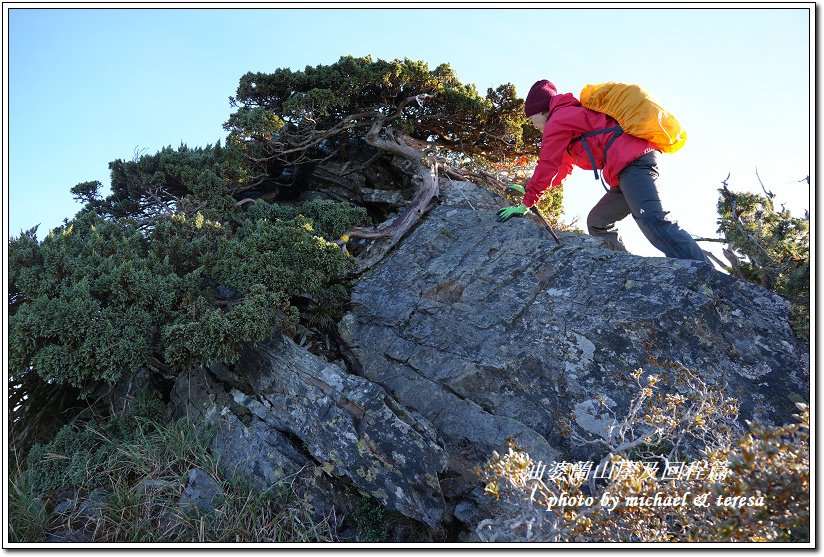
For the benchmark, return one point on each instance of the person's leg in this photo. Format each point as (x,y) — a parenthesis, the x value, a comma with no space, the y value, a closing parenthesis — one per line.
(639,184)
(602,218)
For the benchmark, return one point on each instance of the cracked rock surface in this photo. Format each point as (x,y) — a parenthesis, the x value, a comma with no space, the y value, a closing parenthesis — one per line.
(472,332)
(279,395)
(492,330)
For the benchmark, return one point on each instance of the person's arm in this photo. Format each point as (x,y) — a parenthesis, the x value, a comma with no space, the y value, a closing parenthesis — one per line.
(563,171)
(553,167)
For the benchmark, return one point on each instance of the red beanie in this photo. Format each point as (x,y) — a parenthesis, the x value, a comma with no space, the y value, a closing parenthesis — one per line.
(537,100)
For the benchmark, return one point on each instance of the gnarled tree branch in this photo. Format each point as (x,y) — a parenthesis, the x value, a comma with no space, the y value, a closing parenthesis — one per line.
(423,200)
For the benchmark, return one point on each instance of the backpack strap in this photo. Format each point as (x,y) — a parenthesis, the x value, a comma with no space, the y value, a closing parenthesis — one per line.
(583,139)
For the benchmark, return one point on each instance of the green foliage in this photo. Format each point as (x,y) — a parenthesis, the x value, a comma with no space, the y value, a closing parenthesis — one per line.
(257,123)
(78,455)
(90,299)
(267,262)
(278,255)
(319,98)
(183,242)
(374,523)
(551,205)
(25,261)
(171,180)
(205,333)
(329,219)
(87,192)
(769,247)
(96,300)
(371,521)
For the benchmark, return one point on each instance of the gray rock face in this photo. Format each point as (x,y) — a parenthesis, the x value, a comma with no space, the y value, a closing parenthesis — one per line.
(472,332)
(492,330)
(202,494)
(244,442)
(348,425)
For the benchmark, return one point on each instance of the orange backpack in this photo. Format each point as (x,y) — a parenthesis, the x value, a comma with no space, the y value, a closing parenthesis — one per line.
(637,114)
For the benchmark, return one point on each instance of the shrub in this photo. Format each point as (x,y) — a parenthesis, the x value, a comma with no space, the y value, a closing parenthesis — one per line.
(97,301)
(328,219)
(171,181)
(79,454)
(768,247)
(751,487)
(91,299)
(371,521)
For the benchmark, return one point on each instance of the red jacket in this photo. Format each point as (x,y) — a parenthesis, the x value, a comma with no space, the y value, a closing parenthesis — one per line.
(568,120)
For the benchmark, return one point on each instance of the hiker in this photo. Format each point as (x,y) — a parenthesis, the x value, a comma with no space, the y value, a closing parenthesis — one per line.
(629,165)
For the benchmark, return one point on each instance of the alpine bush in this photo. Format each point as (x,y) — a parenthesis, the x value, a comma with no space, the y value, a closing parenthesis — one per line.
(79,454)
(768,247)
(97,300)
(732,486)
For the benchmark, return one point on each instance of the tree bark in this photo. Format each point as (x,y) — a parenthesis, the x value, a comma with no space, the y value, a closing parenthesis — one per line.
(424,198)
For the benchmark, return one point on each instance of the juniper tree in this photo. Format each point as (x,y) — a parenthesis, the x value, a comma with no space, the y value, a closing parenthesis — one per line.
(98,300)
(400,108)
(177,266)
(769,247)
(171,181)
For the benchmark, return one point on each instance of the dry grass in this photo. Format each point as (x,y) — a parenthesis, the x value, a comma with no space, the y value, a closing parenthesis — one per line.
(141,487)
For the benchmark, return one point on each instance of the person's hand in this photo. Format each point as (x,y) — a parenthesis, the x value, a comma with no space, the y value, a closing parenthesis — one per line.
(516,187)
(509,212)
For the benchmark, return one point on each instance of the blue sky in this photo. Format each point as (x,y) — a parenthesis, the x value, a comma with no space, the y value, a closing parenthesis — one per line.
(88,86)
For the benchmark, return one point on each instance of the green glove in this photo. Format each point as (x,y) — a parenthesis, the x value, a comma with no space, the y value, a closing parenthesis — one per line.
(509,212)
(516,187)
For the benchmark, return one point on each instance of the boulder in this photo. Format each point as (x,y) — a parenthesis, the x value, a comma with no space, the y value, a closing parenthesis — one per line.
(295,409)
(472,333)
(493,331)
(202,494)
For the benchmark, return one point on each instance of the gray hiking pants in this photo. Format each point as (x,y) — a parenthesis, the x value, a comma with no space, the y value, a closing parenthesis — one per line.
(637,194)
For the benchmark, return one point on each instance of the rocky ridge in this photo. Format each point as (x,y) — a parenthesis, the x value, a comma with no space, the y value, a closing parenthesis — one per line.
(472,332)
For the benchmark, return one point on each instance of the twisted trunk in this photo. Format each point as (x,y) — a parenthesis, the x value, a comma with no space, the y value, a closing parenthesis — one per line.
(424,198)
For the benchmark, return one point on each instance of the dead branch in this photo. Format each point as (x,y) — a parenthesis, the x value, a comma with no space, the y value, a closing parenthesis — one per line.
(346,170)
(417,98)
(768,193)
(351,121)
(718,261)
(483,177)
(423,200)
(735,263)
(762,259)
